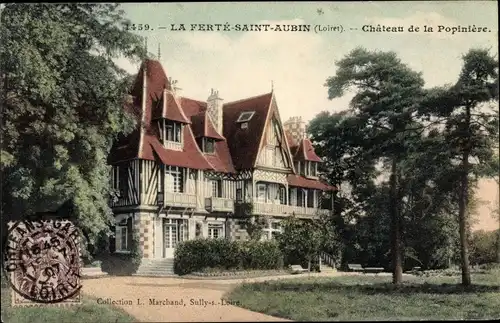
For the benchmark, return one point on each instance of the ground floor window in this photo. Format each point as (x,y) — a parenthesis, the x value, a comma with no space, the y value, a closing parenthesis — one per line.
(273,230)
(122,238)
(215,230)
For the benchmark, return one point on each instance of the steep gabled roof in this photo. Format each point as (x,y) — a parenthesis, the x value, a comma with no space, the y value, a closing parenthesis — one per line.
(203,127)
(305,152)
(169,109)
(244,142)
(143,142)
(189,157)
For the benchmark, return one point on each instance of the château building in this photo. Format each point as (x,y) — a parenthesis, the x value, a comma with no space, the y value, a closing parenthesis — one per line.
(183,172)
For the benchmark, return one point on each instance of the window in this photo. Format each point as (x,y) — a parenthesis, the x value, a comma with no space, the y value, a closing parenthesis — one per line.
(261,192)
(209,145)
(217,188)
(122,238)
(274,230)
(123,184)
(314,169)
(174,179)
(239,195)
(197,230)
(310,198)
(215,230)
(300,197)
(282,195)
(173,130)
(245,116)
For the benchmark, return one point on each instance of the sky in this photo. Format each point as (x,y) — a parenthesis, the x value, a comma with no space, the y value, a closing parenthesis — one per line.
(241,64)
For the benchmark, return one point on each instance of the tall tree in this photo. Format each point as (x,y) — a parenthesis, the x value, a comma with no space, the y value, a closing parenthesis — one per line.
(471,131)
(387,95)
(62,97)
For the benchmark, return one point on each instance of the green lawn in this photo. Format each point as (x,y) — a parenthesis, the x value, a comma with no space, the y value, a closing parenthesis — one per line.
(374,298)
(88,311)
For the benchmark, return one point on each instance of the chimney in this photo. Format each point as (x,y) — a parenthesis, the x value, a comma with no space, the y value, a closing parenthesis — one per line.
(214,109)
(296,128)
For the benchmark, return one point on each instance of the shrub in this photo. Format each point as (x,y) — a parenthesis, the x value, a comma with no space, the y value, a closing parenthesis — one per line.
(203,254)
(123,264)
(483,247)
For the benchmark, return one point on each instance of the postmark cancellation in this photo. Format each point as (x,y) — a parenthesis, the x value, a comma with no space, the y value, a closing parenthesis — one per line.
(42,263)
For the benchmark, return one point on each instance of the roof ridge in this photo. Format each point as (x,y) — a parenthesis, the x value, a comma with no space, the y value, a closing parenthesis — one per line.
(199,101)
(246,99)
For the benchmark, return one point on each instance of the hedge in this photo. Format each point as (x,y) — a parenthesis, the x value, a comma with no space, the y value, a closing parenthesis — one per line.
(200,254)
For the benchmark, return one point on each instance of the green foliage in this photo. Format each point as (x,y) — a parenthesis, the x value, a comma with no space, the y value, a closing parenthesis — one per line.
(61,98)
(123,264)
(416,135)
(200,254)
(483,247)
(252,223)
(302,241)
(135,251)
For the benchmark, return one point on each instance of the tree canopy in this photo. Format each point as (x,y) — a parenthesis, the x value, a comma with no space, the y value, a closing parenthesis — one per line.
(62,106)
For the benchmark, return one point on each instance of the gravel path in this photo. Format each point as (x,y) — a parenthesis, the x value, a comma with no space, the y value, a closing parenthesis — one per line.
(158,299)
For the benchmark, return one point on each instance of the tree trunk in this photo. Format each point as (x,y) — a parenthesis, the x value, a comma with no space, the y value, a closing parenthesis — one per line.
(462,208)
(498,240)
(397,268)
(462,222)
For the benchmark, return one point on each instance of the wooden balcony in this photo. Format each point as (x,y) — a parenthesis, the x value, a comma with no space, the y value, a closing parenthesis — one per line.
(218,204)
(180,199)
(283,210)
(307,211)
(172,145)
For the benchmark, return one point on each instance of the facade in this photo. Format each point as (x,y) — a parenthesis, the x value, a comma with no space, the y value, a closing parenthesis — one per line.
(183,172)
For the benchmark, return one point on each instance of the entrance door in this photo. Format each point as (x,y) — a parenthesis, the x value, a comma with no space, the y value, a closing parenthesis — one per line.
(170,229)
(174,231)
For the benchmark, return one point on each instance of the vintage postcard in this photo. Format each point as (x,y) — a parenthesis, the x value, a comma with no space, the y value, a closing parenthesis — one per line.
(250,161)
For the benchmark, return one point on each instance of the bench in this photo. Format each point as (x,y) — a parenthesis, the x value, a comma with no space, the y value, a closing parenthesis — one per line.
(355,267)
(297,269)
(375,270)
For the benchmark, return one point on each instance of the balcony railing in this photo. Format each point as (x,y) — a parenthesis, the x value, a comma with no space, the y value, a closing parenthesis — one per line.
(219,204)
(283,209)
(173,145)
(180,199)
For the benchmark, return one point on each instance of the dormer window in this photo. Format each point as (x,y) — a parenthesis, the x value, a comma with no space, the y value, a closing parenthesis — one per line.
(245,116)
(314,168)
(209,146)
(173,131)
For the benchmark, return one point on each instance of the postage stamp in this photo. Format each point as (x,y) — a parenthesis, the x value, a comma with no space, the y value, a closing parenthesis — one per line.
(42,262)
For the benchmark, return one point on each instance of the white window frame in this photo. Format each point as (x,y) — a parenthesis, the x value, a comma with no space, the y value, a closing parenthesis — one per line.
(215,188)
(173,131)
(174,179)
(120,245)
(270,230)
(245,116)
(261,197)
(218,228)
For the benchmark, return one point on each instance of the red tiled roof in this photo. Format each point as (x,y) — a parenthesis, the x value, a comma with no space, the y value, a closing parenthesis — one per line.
(305,151)
(185,158)
(244,143)
(170,110)
(203,127)
(239,152)
(300,181)
(196,110)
